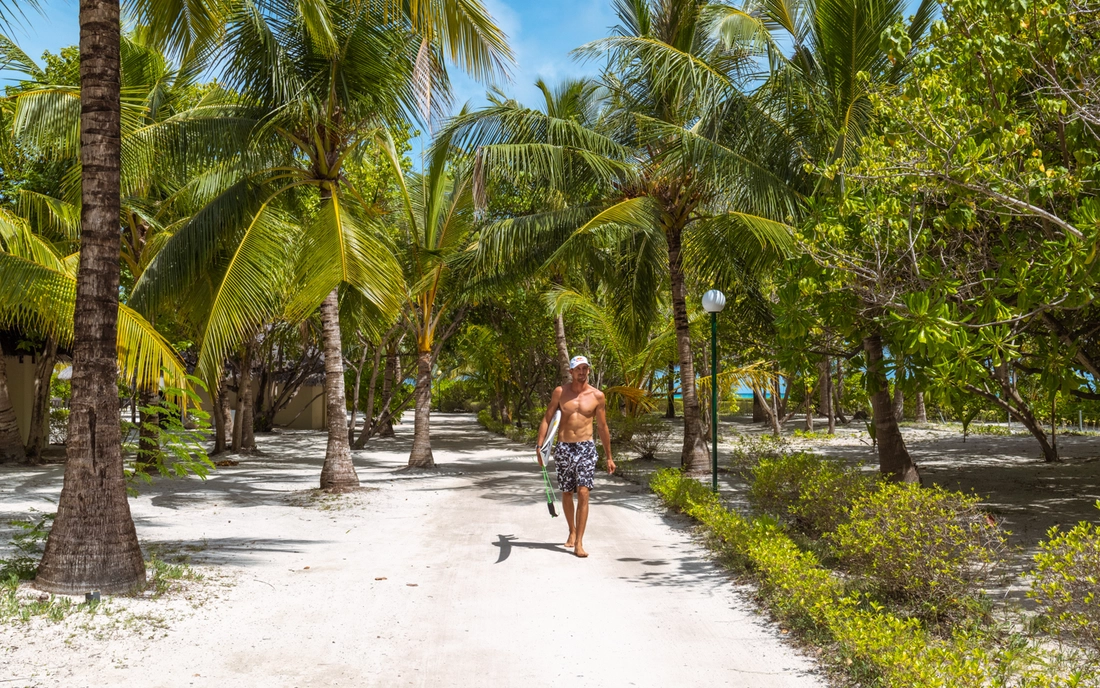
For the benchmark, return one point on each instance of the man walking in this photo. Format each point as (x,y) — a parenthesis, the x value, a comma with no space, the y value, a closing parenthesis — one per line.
(575,453)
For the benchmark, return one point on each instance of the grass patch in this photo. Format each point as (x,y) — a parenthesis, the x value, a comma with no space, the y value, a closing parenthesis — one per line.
(164,577)
(20,604)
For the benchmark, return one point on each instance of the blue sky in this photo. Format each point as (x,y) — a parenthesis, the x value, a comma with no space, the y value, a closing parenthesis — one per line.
(541,35)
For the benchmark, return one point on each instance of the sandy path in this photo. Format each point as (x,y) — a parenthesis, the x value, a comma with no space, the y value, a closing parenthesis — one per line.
(477,590)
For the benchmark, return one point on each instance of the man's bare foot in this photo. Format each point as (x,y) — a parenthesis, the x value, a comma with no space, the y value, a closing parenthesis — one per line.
(569,542)
(579,551)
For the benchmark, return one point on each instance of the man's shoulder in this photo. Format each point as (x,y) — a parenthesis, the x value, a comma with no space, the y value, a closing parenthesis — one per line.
(596,392)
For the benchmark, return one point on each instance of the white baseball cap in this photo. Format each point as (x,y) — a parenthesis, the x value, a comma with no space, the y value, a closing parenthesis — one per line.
(578,361)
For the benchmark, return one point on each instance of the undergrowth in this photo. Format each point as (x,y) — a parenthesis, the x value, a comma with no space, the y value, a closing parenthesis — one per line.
(870,642)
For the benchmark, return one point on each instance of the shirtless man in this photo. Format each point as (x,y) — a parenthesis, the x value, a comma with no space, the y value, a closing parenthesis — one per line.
(575,453)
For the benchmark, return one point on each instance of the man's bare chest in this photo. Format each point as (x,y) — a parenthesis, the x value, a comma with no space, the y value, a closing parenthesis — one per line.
(583,404)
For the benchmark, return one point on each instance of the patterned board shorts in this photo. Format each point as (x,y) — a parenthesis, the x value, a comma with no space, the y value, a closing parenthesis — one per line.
(576,464)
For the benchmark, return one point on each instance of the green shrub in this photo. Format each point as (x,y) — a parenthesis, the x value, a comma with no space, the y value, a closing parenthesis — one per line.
(929,548)
(650,435)
(874,646)
(810,492)
(454,396)
(748,450)
(1067,582)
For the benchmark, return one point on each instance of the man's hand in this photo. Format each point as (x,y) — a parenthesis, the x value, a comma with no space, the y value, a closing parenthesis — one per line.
(610,465)
(538,455)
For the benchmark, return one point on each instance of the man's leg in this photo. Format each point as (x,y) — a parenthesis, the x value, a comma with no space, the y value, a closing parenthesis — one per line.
(567,504)
(582,519)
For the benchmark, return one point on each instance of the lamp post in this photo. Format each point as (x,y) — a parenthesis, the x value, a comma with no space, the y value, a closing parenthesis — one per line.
(713,302)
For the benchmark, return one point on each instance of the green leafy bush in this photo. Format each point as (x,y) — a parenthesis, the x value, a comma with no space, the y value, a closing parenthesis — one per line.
(811,492)
(926,547)
(989,430)
(180,444)
(748,450)
(873,645)
(1067,582)
(29,542)
(454,396)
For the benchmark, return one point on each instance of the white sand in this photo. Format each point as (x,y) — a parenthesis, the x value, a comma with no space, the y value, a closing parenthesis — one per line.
(477,590)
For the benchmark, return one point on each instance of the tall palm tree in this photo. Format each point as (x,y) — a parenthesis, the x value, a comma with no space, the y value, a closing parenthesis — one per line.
(439,226)
(325,84)
(93,543)
(696,171)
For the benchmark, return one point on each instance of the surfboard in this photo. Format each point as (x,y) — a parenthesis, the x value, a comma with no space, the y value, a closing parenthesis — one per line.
(551,435)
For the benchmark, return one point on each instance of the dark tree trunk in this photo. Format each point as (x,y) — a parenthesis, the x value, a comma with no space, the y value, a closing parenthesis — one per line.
(809,404)
(39,437)
(922,412)
(827,389)
(758,414)
(894,461)
(355,397)
(93,544)
(421,454)
(563,349)
(242,420)
(389,389)
(11,441)
(670,409)
(1019,409)
(220,412)
(370,422)
(838,392)
(694,456)
(898,405)
(766,410)
(338,473)
(248,401)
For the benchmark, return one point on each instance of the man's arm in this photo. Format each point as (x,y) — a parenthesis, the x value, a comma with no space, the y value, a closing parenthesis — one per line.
(605,434)
(555,398)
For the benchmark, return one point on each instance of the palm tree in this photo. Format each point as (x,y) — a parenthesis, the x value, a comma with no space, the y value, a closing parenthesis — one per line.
(172,129)
(696,171)
(325,85)
(439,226)
(93,543)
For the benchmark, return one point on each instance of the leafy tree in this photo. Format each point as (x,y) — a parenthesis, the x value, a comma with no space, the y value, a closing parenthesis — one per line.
(693,173)
(324,84)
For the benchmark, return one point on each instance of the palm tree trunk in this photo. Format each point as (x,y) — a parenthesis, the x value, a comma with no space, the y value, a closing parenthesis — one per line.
(827,388)
(894,461)
(389,388)
(242,419)
(11,441)
(248,400)
(355,397)
(93,544)
(39,437)
(694,457)
(670,409)
(221,407)
(338,473)
(421,454)
(922,412)
(369,421)
(563,349)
